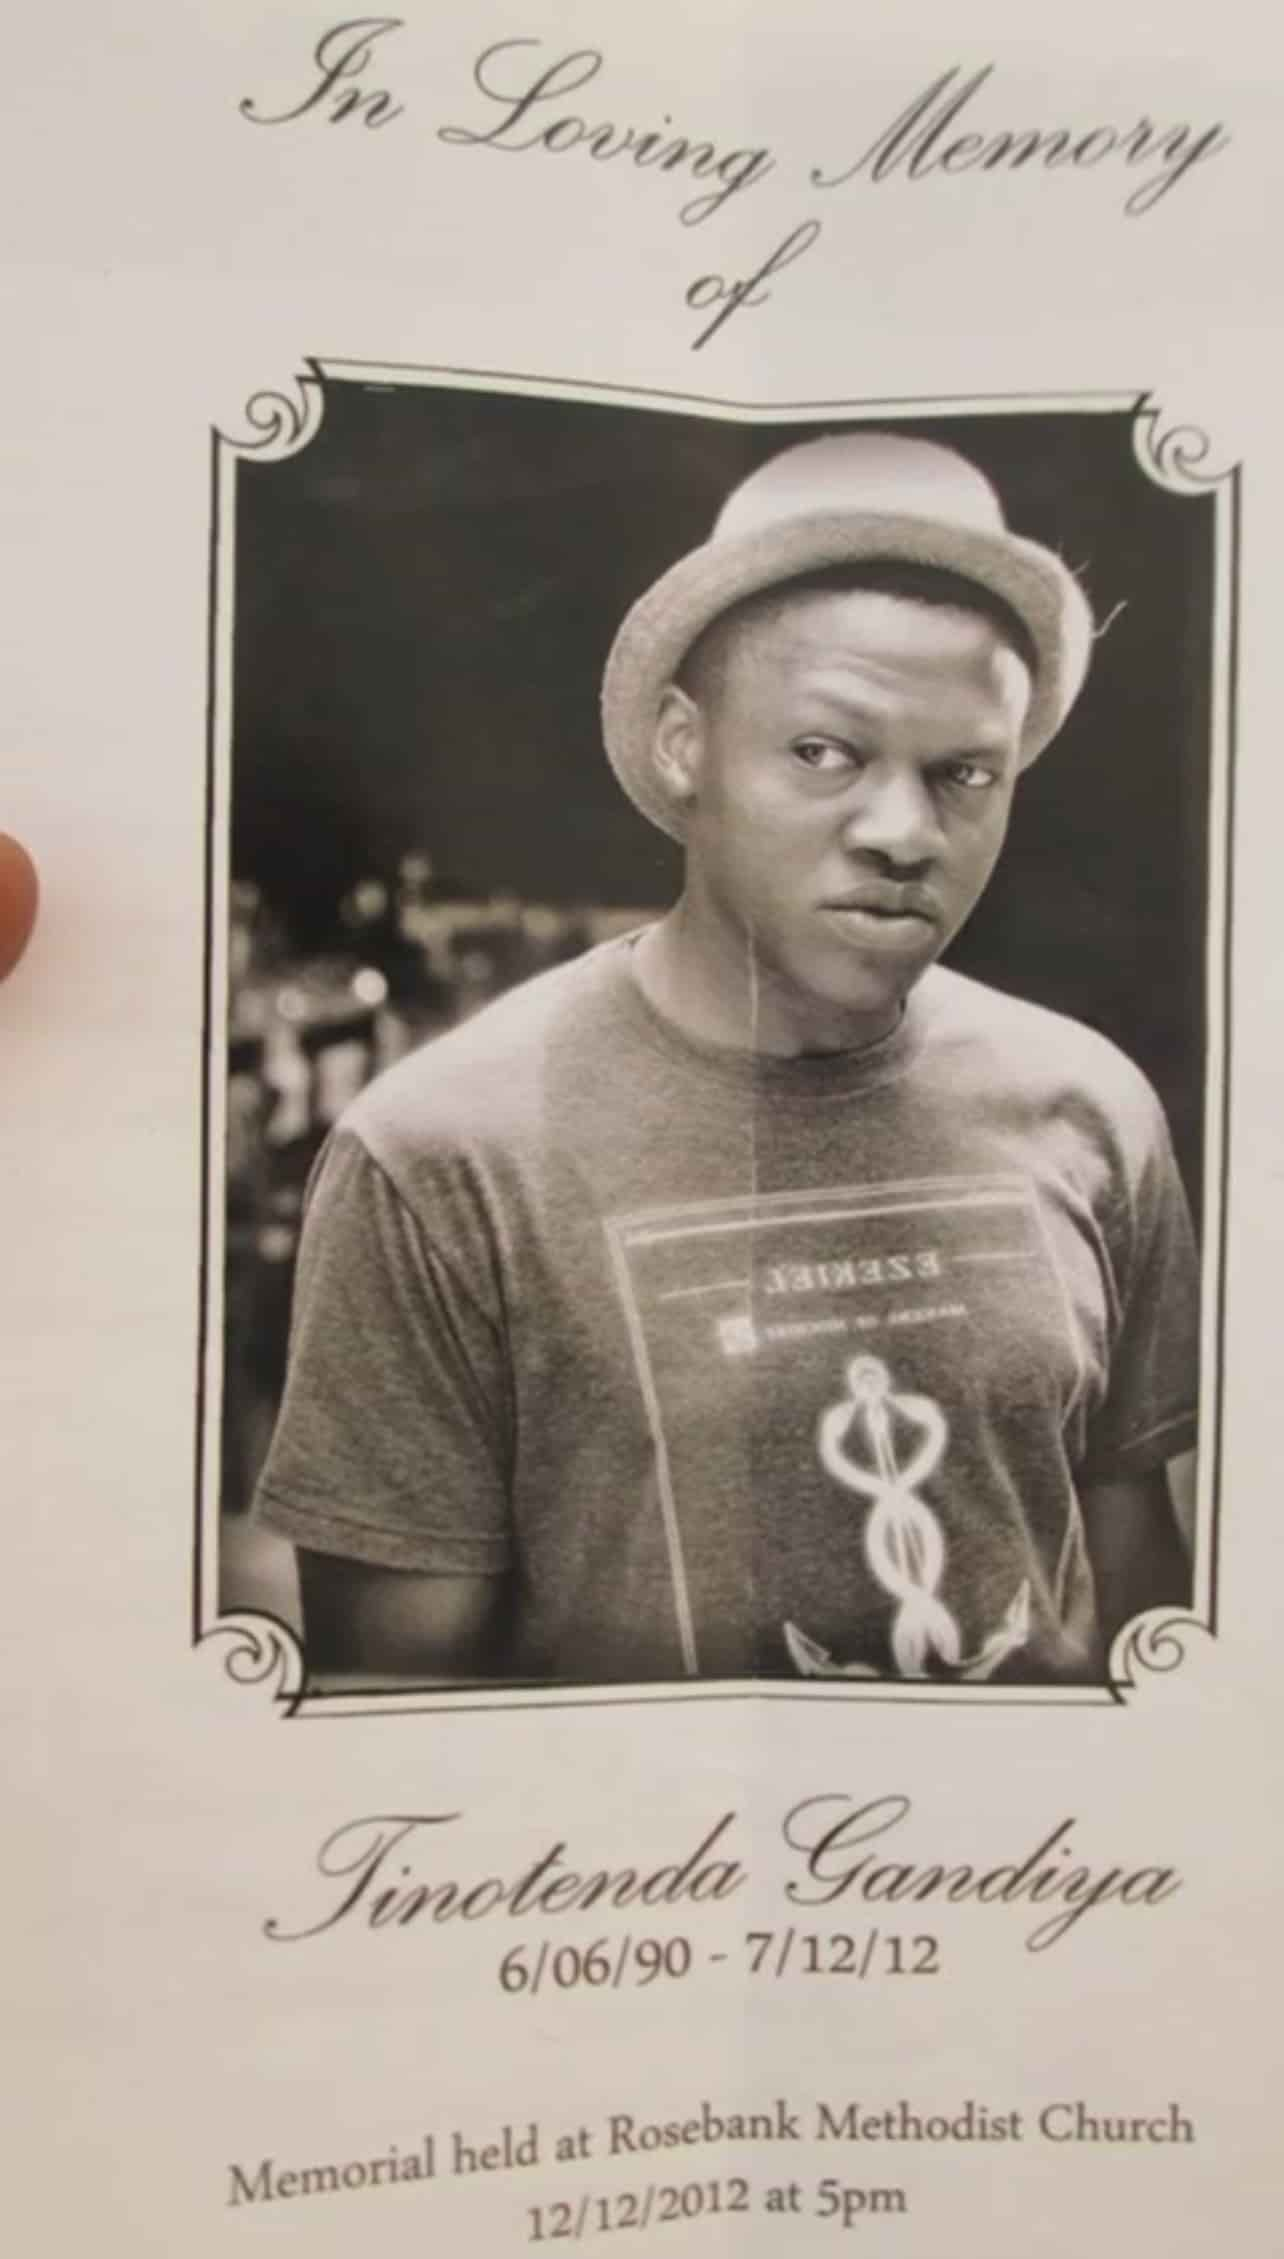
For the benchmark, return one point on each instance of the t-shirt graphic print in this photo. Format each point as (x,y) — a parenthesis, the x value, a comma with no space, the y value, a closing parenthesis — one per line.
(859,1400)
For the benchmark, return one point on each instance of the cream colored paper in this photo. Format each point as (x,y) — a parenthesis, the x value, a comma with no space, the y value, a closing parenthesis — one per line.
(190,2072)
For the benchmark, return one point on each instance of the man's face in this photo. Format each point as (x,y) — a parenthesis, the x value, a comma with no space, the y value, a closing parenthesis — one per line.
(847,762)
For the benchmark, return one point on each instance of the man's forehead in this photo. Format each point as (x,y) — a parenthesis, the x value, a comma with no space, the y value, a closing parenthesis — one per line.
(859,641)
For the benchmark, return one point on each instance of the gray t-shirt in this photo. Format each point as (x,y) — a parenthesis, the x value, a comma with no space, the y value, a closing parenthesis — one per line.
(739,1366)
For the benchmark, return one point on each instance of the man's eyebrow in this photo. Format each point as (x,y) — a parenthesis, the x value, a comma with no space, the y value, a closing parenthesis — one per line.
(847,705)
(852,709)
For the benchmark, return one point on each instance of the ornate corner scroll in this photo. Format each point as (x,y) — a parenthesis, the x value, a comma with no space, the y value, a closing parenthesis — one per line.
(1154,1644)
(259,1651)
(1175,456)
(281,423)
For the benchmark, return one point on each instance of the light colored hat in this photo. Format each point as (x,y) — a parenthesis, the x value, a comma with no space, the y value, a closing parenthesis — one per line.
(836,501)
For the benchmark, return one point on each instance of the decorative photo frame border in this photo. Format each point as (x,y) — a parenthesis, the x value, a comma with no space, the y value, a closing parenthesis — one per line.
(262,1649)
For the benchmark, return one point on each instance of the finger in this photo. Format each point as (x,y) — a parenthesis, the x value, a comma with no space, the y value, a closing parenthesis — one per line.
(19,894)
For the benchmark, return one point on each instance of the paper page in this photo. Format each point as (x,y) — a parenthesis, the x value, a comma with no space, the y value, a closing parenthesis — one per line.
(831,1800)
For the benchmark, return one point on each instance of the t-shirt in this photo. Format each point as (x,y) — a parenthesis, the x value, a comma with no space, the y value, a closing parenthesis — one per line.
(738,1366)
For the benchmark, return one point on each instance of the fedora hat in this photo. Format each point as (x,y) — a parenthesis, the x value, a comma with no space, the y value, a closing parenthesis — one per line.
(847,499)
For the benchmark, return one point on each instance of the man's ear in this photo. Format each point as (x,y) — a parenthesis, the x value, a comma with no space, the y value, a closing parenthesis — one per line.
(678,746)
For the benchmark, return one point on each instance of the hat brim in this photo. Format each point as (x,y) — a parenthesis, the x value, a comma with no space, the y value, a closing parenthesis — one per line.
(664,623)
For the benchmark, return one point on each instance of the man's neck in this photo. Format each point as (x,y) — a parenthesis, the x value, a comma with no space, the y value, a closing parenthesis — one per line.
(717,992)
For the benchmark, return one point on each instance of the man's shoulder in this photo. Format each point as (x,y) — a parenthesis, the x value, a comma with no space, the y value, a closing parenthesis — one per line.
(1027,1048)
(488,1077)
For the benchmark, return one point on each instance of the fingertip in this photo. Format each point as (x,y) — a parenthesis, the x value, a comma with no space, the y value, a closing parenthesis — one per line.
(19,899)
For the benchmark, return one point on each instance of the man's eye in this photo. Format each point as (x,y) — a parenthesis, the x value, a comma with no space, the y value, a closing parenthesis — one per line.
(822,753)
(974,776)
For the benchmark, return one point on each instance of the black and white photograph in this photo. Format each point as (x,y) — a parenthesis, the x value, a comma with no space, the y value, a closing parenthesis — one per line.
(722,1040)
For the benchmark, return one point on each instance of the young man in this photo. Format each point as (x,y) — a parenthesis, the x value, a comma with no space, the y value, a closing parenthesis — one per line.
(754,1296)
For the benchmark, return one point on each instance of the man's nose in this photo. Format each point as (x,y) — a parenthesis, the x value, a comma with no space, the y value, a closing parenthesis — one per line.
(895,819)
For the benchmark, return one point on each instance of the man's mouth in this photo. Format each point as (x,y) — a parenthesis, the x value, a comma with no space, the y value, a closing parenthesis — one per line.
(891,904)
(884,920)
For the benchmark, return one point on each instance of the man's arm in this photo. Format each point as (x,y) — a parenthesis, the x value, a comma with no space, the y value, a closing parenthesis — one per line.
(387,1470)
(360,1618)
(1135,1547)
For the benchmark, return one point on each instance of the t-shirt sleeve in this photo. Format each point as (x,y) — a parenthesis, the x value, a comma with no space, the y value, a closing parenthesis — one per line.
(392,1442)
(1149,1411)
